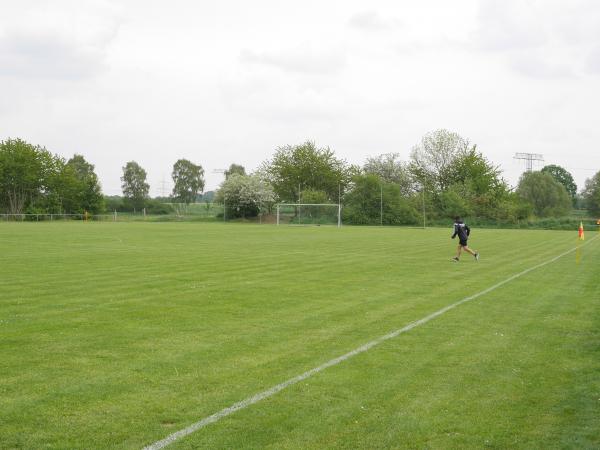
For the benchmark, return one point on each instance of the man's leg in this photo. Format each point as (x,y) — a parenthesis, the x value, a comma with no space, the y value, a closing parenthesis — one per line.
(458,250)
(468,250)
(472,252)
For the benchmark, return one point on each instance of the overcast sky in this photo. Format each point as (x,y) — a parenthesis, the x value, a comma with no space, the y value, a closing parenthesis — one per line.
(219,82)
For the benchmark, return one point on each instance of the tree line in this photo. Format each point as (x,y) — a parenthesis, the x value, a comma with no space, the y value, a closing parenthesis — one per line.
(445,175)
(35,181)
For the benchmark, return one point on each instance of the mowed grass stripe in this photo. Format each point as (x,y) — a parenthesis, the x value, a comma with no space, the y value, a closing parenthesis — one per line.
(172,438)
(206,348)
(200,267)
(151,296)
(152,283)
(498,372)
(143,288)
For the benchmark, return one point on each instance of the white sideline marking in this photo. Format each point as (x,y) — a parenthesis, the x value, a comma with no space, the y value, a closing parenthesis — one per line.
(363,348)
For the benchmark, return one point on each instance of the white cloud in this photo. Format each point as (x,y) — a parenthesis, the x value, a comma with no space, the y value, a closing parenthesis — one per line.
(68,42)
(292,99)
(576,22)
(372,21)
(539,39)
(532,65)
(48,56)
(306,59)
(508,25)
(593,62)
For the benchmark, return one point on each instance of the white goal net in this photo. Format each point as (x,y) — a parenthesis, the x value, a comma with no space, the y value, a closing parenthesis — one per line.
(309,214)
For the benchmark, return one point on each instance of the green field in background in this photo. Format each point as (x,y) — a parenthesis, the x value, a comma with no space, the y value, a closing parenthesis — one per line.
(114,335)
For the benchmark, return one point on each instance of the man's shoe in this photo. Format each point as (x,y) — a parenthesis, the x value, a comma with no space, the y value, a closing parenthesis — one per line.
(455,259)
(477,256)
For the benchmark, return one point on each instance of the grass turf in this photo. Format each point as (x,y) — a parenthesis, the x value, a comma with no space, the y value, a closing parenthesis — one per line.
(116,335)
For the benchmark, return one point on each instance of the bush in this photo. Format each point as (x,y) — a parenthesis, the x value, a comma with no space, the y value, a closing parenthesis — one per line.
(547,196)
(244,196)
(154,206)
(114,203)
(372,201)
(455,202)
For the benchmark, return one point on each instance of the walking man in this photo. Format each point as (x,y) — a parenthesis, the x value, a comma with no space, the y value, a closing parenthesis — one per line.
(462,230)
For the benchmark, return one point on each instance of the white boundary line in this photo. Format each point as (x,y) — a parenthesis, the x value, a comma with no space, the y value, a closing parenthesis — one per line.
(363,348)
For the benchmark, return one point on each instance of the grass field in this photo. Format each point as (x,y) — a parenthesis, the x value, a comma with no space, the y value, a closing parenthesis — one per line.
(115,335)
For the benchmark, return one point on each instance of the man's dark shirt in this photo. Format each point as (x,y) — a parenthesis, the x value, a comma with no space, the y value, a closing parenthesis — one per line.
(461,230)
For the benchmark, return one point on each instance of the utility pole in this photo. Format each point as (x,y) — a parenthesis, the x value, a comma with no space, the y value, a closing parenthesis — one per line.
(339,205)
(421,187)
(423,196)
(224,205)
(380,204)
(529,159)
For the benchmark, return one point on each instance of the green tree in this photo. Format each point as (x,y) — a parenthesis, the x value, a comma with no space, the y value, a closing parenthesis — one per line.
(188,179)
(64,190)
(245,196)
(134,186)
(114,203)
(471,169)
(564,177)
(24,174)
(235,168)
(306,167)
(391,169)
(476,188)
(311,196)
(547,196)
(89,196)
(591,194)
(457,200)
(370,196)
(72,187)
(432,159)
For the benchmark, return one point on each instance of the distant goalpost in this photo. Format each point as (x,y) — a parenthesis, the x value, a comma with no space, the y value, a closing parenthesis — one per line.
(309,214)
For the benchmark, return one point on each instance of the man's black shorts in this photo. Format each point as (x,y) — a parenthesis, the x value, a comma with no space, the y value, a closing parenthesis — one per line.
(463,242)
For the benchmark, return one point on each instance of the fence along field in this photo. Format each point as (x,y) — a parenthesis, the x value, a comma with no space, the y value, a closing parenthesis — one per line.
(179,211)
(118,334)
(294,214)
